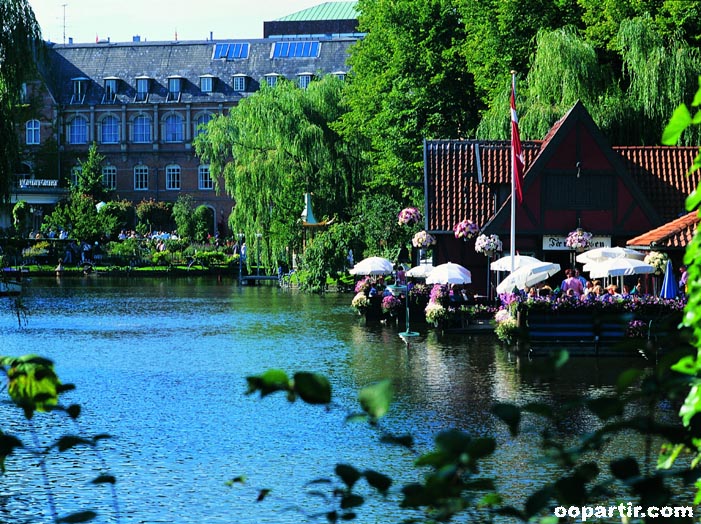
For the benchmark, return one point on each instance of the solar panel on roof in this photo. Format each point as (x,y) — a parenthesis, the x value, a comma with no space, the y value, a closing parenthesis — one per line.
(231,51)
(306,49)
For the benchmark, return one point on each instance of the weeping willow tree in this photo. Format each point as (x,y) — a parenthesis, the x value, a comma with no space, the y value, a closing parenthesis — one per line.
(662,73)
(274,147)
(630,104)
(20,32)
(565,69)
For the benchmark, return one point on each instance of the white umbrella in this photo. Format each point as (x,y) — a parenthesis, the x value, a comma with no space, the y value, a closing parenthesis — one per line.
(527,276)
(449,273)
(420,271)
(504,263)
(601,254)
(373,266)
(616,267)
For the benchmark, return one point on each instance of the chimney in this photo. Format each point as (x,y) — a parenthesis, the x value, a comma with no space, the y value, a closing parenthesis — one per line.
(136,38)
(211,36)
(70,40)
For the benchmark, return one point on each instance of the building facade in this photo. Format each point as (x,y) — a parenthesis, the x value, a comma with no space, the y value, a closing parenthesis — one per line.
(143,103)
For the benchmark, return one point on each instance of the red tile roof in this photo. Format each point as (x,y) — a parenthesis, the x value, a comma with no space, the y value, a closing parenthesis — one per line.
(660,172)
(672,235)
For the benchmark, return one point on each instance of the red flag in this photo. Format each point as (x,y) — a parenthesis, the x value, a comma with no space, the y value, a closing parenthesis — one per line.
(517,163)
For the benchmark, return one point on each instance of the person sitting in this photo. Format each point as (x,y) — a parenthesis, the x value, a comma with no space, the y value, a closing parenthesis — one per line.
(612,290)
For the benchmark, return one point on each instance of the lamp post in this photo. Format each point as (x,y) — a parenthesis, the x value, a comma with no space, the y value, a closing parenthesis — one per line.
(397,291)
(258,237)
(240,237)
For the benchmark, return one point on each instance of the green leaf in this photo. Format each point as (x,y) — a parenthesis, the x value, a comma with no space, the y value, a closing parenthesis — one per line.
(406,441)
(262,494)
(668,455)
(349,475)
(312,388)
(73,411)
(351,501)
(606,407)
(236,480)
(269,382)
(625,468)
(693,200)
(509,414)
(380,482)
(376,398)
(83,516)
(537,501)
(69,441)
(538,408)
(481,447)
(104,479)
(681,119)
(627,379)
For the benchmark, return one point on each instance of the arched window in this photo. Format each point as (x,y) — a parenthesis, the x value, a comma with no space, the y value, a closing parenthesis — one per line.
(174,128)
(33,135)
(201,122)
(78,131)
(141,130)
(173,177)
(109,130)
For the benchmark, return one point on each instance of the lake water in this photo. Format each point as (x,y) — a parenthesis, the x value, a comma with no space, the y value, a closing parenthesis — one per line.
(160,365)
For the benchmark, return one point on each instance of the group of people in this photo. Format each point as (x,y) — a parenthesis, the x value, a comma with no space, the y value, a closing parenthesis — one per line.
(575,285)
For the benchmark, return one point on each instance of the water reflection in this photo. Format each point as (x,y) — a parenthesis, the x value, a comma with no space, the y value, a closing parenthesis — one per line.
(161,366)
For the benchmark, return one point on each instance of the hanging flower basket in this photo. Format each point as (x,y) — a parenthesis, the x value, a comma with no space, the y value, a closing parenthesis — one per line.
(409,216)
(657,260)
(488,244)
(578,239)
(422,239)
(466,229)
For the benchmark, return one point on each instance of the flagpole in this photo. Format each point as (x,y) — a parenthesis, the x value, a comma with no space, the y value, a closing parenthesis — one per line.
(513,186)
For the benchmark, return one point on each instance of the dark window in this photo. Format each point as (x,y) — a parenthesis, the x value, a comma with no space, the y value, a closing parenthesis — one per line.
(586,192)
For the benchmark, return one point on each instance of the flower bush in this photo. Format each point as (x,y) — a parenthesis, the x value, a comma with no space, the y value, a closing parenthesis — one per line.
(409,216)
(466,229)
(360,301)
(505,329)
(439,292)
(578,239)
(391,304)
(363,285)
(488,243)
(436,312)
(423,239)
(657,260)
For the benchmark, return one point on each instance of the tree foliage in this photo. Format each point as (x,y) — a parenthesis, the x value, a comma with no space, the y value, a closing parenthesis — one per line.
(274,147)
(19,37)
(89,176)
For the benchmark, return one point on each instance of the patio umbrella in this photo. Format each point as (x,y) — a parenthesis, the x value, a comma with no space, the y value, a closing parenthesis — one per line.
(420,271)
(601,254)
(449,273)
(527,276)
(372,266)
(616,267)
(504,263)
(670,289)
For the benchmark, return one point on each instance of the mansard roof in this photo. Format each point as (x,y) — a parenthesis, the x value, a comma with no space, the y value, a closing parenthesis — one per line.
(186,59)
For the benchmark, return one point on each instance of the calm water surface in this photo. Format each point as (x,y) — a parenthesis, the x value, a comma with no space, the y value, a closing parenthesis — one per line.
(160,365)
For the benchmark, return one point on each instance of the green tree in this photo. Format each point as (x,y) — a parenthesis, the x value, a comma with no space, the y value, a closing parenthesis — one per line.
(89,179)
(274,147)
(183,215)
(79,216)
(19,38)
(154,215)
(408,81)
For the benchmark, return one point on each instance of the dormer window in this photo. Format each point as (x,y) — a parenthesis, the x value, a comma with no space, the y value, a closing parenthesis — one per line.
(271,79)
(341,75)
(303,80)
(143,85)
(207,83)
(111,88)
(239,83)
(24,93)
(80,86)
(174,88)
